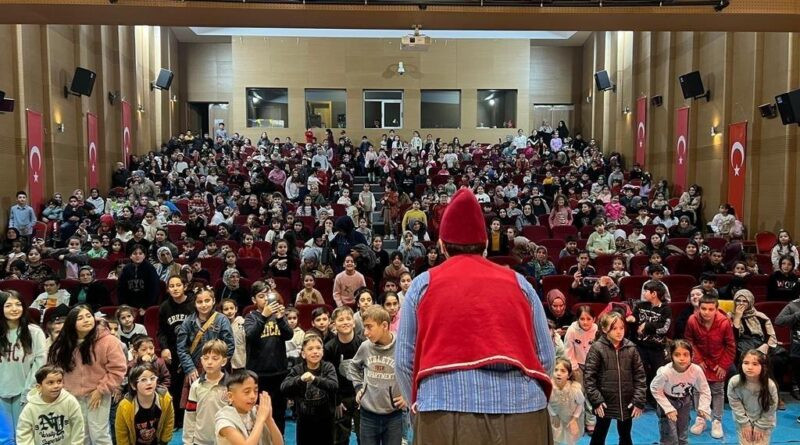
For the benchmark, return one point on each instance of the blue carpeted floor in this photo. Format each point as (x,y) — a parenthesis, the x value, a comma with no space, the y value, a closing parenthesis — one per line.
(645,430)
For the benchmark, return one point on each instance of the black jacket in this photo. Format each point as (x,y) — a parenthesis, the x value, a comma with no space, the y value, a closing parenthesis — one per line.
(340,355)
(266,344)
(316,398)
(170,317)
(96,295)
(138,285)
(615,377)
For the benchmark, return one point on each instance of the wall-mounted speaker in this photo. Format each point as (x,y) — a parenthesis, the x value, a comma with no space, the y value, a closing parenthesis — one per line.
(656,101)
(163,81)
(692,86)
(2,95)
(603,82)
(82,83)
(768,111)
(6,105)
(788,105)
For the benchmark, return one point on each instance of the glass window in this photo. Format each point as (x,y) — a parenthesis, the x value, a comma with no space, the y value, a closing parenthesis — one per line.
(268,107)
(383,109)
(441,109)
(497,109)
(326,108)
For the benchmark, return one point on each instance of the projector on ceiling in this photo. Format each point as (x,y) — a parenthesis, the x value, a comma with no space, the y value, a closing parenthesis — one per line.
(415,42)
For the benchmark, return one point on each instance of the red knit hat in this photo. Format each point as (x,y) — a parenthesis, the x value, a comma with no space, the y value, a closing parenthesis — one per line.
(463,221)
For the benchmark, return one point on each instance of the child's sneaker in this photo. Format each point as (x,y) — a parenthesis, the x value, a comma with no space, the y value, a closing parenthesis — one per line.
(698,427)
(716,429)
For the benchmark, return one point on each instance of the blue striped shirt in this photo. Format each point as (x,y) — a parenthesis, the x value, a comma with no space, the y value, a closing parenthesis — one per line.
(499,389)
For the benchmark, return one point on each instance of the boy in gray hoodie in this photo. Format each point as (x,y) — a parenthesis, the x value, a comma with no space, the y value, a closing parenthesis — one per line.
(372,372)
(52,416)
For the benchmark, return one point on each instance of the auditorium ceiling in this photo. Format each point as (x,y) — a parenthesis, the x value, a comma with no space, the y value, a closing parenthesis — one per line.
(554,15)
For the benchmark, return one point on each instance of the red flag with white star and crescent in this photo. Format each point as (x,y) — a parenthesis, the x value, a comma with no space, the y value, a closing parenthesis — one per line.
(737,162)
(35,159)
(91,133)
(681,149)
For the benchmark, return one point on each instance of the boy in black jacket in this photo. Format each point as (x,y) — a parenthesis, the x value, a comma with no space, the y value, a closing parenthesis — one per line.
(266,332)
(652,319)
(339,351)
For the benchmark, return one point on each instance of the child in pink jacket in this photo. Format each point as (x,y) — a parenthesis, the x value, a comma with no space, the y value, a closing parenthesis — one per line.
(94,367)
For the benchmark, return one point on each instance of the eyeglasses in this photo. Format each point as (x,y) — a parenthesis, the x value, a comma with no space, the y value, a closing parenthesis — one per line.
(147,379)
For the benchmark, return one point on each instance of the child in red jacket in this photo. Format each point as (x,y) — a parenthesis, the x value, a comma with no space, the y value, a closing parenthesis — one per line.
(711,334)
(248,250)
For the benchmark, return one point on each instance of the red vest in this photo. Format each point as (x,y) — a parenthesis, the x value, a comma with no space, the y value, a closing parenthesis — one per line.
(474,314)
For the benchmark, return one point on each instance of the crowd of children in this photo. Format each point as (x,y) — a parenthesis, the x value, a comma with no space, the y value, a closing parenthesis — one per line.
(228,358)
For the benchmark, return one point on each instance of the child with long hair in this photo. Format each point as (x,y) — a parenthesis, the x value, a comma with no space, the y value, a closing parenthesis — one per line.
(146,414)
(566,405)
(23,350)
(229,309)
(94,366)
(313,384)
(674,387)
(753,397)
(391,302)
(615,380)
(197,329)
(783,246)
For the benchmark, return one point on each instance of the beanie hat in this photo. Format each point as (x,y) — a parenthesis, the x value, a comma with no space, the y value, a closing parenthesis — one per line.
(463,221)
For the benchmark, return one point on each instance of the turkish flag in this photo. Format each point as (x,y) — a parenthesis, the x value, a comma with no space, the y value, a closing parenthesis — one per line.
(641,130)
(35,159)
(681,148)
(127,141)
(91,137)
(736,167)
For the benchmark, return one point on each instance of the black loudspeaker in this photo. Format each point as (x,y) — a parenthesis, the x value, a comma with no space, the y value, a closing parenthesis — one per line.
(789,107)
(164,79)
(656,101)
(6,105)
(768,111)
(2,95)
(83,82)
(692,86)
(603,81)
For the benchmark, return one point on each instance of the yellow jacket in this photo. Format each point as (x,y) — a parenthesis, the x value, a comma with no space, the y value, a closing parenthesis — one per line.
(126,412)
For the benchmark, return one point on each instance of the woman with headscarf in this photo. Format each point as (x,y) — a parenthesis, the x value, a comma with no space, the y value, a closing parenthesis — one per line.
(166,266)
(753,330)
(232,288)
(89,291)
(410,249)
(557,311)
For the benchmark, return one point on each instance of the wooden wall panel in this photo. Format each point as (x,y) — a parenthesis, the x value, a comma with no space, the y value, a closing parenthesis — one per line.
(41,60)
(743,70)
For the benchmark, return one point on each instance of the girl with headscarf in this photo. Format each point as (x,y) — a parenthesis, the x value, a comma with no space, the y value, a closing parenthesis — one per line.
(753,330)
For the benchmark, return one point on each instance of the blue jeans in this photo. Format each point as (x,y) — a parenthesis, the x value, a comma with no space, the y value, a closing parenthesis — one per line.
(381,429)
(10,409)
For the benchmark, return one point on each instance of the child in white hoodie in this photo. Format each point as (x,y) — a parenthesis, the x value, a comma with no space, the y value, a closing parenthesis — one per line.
(52,416)
(577,342)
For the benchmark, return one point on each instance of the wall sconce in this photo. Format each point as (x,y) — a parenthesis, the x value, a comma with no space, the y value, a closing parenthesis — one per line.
(140,108)
(627,110)
(60,127)
(174,98)
(715,131)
